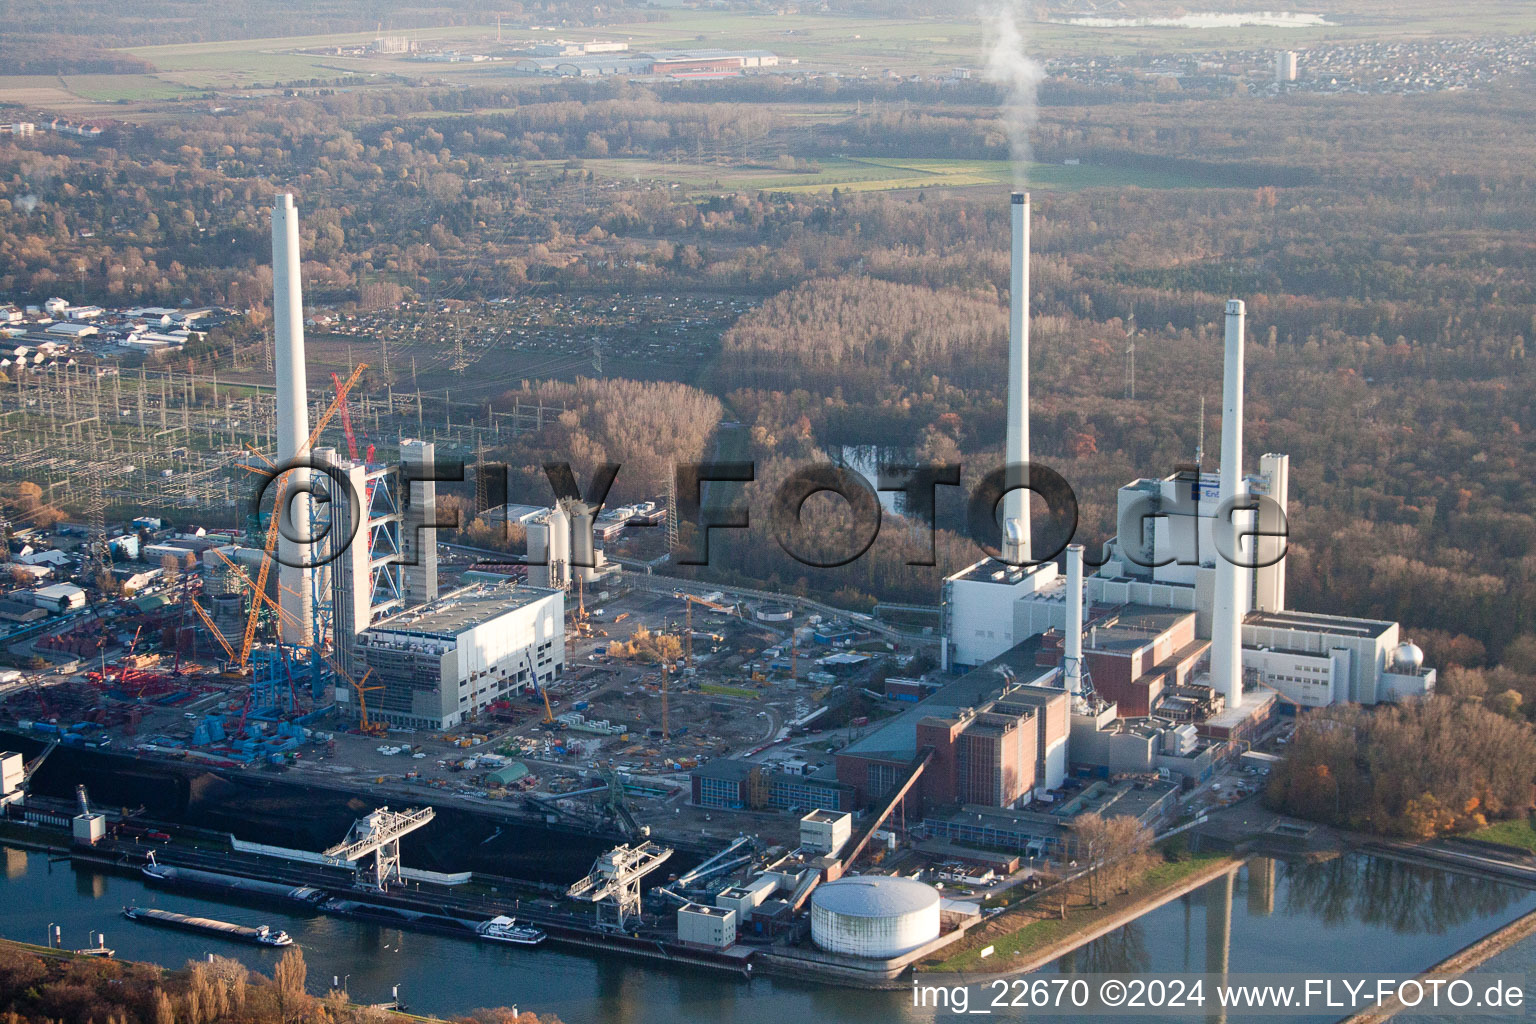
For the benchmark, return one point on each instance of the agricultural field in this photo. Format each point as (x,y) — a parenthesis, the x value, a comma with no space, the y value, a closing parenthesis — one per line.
(861,174)
(807,43)
(112,88)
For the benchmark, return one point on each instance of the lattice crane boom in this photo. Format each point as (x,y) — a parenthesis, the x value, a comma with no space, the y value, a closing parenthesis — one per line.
(270,545)
(262,595)
(212,627)
(379,834)
(614,881)
(346,420)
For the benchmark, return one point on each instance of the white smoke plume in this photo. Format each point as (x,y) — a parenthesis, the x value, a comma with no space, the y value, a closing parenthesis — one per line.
(27,203)
(1018,74)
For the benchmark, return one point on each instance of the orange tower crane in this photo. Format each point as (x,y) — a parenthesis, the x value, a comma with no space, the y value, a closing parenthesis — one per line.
(270,545)
(262,595)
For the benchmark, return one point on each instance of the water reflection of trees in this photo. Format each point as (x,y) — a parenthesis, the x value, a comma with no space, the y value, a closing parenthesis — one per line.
(1387,893)
(1123,950)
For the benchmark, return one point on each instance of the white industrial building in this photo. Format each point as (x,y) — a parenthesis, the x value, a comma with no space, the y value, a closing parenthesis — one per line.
(825,832)
(12,772)
(442,663)
(744,899)
(701,925)
(874,916)
(56,597)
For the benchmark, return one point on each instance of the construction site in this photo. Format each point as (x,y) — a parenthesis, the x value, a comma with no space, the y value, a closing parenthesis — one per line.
(231,685)
(756,778)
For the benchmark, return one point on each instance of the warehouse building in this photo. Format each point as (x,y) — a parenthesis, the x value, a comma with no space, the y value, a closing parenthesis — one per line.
(443,662)
(732,785)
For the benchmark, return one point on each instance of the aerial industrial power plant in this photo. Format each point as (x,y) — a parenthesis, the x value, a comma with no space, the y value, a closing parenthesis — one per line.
(526,523)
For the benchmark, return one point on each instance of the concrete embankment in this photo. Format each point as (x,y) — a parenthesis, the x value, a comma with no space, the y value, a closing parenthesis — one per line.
(1460,962)
(1098,927)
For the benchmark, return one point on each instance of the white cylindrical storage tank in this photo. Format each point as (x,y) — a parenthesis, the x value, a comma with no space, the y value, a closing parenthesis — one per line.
(538,553)
(877,917)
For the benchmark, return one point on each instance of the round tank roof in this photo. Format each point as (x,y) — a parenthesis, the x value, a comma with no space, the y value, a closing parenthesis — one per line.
(875,896)
(1409,657)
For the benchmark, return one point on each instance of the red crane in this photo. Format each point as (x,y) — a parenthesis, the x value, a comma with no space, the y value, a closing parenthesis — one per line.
(346,427)
(346,419)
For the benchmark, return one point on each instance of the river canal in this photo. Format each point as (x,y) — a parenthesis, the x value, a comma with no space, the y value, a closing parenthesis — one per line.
(1370,914)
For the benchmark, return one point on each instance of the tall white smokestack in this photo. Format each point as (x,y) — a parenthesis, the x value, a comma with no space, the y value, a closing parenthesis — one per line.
(1231,593)
(1016,532)
(1074,641)
(292,416)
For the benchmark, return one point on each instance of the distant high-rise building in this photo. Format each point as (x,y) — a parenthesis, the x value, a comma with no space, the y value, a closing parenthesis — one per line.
(1285,66)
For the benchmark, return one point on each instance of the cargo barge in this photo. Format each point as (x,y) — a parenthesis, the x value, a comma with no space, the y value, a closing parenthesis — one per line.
(213,882)
(261,935)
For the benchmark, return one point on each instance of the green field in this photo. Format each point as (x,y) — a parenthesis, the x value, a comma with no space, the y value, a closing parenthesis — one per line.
(720,690)
(110,88)
(872,174)
(1514,832)
(808,42)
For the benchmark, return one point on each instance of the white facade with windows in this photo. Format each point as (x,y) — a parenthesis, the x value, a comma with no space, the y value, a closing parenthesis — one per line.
(444,662)
(825,832)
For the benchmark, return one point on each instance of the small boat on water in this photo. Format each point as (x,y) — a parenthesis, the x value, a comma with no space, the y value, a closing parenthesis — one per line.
(261,935)
(506,929)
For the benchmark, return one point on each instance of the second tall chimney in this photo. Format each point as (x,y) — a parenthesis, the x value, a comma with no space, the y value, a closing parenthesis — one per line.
(1016,527)
(1230,597)
(1073,652)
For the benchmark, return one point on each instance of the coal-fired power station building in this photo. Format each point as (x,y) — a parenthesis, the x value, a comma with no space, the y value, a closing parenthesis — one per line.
(430,660)
(1166,625)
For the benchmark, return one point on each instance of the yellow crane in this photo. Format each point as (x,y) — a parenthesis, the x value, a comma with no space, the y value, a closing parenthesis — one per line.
(213,629)
(690,601)
(261,595)
(549,712)
(367,728)
(270,546)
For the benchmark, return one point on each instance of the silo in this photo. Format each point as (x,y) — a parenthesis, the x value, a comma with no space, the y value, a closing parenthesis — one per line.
(559,552)
(538,553)
(876,917)
(583,554)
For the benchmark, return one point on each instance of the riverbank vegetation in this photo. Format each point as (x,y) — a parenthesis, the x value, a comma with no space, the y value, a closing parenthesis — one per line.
(1129,874)
(1417,770)
(39,986)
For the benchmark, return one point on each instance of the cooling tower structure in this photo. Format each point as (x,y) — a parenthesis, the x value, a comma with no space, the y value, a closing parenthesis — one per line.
(1231,588)
(1016,528)
(294,594)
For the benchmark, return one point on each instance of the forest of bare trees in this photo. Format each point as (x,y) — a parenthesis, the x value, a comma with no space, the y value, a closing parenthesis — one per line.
(1419,770)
